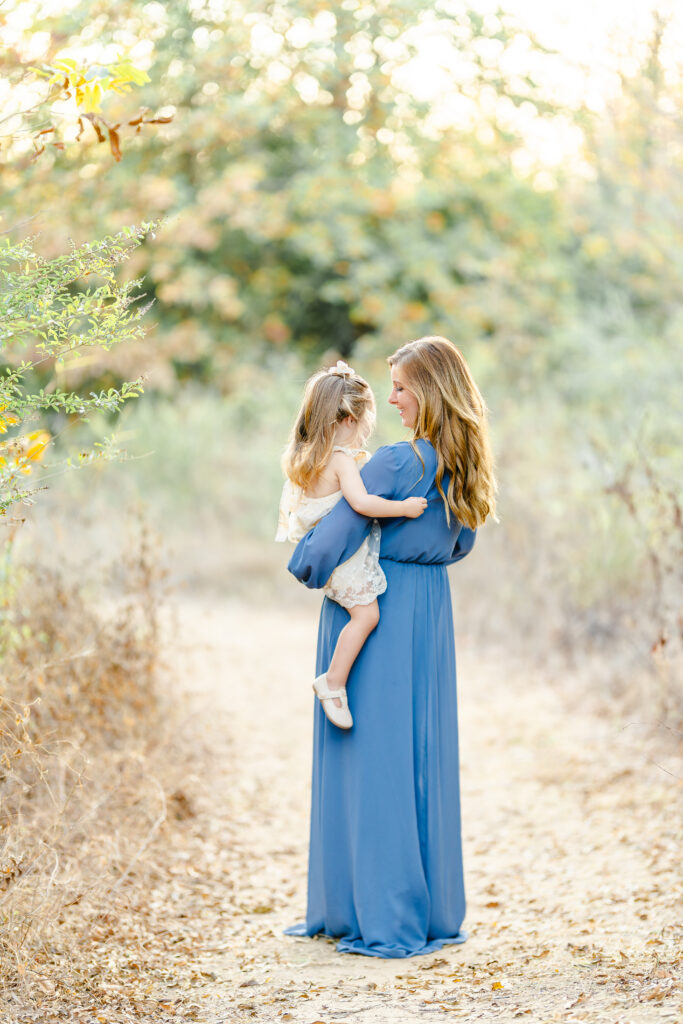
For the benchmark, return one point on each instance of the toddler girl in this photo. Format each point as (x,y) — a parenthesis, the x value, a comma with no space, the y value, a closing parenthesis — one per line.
(321,464)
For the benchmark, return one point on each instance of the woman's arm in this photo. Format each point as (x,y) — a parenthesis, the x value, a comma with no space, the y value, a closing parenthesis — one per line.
(463,544)
(353,489)
(342,531)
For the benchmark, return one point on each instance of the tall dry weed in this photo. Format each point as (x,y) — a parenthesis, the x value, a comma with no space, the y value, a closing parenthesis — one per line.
(655,507)
(80,716)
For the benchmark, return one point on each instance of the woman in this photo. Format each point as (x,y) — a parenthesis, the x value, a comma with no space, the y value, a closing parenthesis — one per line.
(385,862)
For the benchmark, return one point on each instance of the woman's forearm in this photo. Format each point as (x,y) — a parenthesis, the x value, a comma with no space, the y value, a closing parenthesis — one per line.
(327,545)
(343,530)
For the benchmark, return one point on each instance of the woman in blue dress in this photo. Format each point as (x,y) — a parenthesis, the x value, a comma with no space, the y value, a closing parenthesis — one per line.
(385,871)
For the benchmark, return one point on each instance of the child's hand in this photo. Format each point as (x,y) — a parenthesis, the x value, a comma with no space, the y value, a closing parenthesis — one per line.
(414,507)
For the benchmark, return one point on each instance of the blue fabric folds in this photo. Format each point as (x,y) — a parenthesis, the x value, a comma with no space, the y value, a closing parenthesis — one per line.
(385,861)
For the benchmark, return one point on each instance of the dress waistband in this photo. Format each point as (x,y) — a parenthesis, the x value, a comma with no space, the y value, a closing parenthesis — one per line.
(413,561)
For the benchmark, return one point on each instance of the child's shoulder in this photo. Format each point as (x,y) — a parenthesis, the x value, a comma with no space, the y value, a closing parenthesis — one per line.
(342,455)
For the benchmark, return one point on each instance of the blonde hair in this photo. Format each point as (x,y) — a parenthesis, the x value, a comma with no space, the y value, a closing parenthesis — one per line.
(452,415)
(329,397)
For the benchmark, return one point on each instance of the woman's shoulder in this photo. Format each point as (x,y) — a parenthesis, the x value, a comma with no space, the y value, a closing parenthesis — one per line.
(404,454)
(397,467)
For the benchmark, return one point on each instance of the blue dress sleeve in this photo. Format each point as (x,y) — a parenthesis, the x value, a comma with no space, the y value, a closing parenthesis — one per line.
(463,544)
(342,531)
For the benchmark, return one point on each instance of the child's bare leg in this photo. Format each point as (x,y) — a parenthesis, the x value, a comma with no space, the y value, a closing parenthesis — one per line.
(364,618)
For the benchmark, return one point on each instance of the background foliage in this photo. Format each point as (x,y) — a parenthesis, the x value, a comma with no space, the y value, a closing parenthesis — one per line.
(316,206)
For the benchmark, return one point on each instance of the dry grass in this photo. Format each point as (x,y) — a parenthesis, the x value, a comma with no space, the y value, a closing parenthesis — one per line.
(87,785)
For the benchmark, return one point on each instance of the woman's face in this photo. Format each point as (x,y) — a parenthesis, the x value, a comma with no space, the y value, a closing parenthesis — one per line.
(404,400)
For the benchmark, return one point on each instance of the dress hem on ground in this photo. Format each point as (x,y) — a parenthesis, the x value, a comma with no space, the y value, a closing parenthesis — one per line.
(387,952)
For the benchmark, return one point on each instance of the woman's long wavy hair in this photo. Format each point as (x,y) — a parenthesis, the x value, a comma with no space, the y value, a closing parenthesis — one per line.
(452,414)
(329,397)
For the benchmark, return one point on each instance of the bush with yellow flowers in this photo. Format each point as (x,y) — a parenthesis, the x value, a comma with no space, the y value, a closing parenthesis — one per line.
(51,311)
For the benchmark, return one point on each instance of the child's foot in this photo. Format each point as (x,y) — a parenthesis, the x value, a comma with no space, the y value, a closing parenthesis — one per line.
(339,716)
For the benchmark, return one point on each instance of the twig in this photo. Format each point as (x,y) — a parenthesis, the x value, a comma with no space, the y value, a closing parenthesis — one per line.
(148,839)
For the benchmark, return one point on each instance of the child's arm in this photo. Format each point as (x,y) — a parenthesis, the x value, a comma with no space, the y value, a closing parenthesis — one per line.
(353,489)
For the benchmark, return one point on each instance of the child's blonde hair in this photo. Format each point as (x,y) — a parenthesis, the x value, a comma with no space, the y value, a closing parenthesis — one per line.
(329,397)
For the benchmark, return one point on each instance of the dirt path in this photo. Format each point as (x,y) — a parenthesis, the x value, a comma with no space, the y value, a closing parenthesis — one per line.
(570,833)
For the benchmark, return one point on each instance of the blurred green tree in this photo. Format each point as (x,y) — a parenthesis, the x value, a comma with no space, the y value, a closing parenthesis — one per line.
(313,201)
(621,354)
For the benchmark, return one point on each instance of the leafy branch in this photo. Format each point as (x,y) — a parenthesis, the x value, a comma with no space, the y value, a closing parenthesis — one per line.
(87,85)
(50,308)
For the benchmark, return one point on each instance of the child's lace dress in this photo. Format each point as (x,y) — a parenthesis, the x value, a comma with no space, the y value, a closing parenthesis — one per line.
(360,579)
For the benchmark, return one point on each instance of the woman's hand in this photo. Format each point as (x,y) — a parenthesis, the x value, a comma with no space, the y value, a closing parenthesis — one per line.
(413,507)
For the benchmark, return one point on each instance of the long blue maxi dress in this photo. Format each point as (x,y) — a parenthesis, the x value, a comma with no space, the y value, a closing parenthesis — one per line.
(385,870)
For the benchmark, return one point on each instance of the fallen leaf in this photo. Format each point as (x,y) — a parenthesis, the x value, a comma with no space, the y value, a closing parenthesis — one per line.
(579,999)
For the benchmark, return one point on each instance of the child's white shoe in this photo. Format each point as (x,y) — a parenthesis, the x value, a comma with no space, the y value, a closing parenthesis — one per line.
(341,717)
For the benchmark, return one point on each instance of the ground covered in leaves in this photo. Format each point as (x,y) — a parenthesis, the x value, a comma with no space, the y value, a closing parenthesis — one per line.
(571,819)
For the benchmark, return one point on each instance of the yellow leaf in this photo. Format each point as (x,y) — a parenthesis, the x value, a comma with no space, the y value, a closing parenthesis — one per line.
(38,442)
(127,72)
(90,97)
